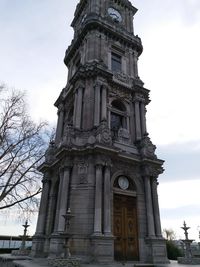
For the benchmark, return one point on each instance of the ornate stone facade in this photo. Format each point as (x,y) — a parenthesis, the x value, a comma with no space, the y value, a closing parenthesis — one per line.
(102,165)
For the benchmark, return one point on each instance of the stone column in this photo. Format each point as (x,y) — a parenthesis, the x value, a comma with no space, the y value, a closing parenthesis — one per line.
(63,198)
(107,211)
(79,107)
(137,121)
(97,101)
(156,209)
(75,108)
(131,21)
(143,118)
(50,213)
(43,206)
(135,57)
(104,103)
(58,201)
(149,207)
(59,128)
(98,202)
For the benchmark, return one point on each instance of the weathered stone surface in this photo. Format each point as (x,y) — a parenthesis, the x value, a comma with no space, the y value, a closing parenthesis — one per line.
(102,149)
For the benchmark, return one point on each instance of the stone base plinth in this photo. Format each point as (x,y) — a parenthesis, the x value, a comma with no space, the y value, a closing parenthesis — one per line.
(21,252)
(103,249)
(157,251)
(70,262)
(6,260)
(189,261)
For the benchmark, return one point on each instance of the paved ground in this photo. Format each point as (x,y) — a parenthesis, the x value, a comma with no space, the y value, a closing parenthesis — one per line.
(39,263)
(43,263)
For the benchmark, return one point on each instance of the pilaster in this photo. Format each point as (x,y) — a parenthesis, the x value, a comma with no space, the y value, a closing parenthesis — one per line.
(104,103)
(149,207)
(143,118)
(97,101)
(156,209)
(59,128)
(137,120)
(98,201)
(79,106)
(107,199)
(43,208)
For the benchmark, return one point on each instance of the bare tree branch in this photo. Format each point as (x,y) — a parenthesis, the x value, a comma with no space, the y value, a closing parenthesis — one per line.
(22,147)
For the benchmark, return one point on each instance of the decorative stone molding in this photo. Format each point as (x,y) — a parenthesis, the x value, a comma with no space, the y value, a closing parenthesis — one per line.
(139,97)
(117,93)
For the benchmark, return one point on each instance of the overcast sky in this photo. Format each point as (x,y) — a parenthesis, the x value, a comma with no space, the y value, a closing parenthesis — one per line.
(34,37)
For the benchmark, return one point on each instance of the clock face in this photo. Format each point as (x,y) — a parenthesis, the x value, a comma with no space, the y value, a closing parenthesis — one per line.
(123,182)
(114,14)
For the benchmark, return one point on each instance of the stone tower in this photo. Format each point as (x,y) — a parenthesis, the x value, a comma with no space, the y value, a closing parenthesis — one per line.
(102,164)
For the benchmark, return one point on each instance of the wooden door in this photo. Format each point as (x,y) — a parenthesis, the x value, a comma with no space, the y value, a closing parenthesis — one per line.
(125,228)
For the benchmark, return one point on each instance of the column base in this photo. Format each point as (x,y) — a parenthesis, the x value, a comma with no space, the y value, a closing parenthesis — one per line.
(102,248)
(157,251)
(56,248)
(38,246)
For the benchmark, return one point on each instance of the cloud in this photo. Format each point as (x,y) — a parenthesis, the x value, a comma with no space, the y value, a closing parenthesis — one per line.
(181,161)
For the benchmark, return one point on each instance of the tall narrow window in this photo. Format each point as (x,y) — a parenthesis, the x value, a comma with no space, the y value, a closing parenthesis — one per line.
(118,117)
(116,62)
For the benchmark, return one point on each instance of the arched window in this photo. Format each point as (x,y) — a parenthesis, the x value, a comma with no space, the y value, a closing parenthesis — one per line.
(118,117)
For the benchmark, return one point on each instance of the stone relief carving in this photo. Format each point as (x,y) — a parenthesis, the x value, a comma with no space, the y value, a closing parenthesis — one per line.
(123,135)
(152,170)
(118,93)
(82,172)
(104,134)
(122,77)
(147,148)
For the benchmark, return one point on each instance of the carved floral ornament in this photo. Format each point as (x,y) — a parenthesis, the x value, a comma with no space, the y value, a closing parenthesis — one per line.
(152,170)
(147,148)
(118,93)
(139,97)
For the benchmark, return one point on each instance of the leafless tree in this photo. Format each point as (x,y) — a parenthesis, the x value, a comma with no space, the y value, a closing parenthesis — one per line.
(169,234)
(22,147)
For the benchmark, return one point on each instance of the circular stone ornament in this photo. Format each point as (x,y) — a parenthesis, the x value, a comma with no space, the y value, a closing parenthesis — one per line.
(114,14)
(123,182)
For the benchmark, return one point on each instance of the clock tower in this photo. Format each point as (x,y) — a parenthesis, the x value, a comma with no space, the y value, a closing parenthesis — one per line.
(102,165)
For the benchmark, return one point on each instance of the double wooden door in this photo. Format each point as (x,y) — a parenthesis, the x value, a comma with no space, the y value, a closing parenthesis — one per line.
(125,228)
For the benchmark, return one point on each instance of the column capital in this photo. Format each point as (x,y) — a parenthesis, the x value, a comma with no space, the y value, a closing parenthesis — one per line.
(46,177)
(99,166)
(97,85)
(138,97)
(65,167)
(79,87)
(61,107)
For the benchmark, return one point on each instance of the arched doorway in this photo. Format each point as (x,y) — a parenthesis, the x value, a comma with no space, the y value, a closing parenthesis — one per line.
(125,226)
